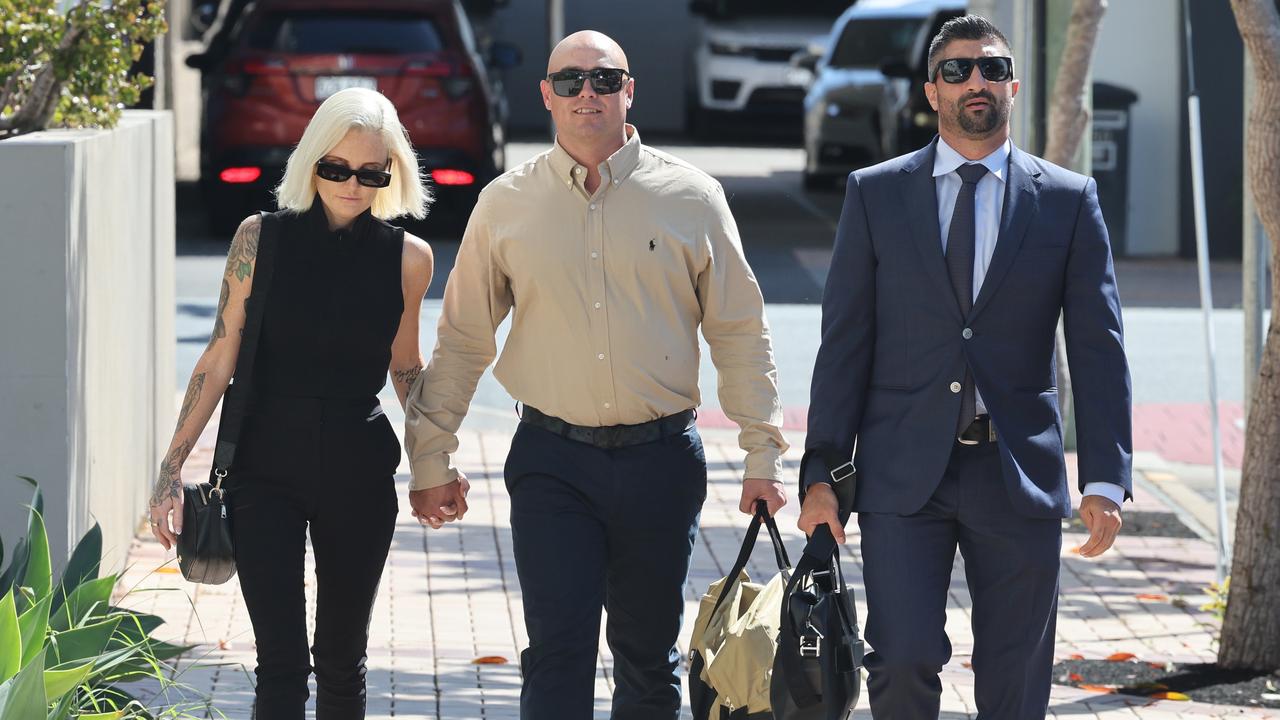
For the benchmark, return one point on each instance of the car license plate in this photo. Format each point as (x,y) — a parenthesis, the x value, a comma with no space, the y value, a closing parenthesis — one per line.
(327,85)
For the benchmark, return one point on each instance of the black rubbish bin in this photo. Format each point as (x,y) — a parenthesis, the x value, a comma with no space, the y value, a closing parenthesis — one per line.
(1111,105)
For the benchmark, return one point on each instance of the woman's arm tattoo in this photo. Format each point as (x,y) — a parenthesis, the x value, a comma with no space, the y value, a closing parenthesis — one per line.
(169,481)
(406,376)
(194,390)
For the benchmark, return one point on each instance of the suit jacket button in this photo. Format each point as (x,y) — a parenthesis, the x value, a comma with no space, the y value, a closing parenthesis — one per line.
(967,333)
(955,387)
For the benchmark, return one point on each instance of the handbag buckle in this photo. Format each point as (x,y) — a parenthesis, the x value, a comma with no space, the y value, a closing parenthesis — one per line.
(811,645)
(844,472)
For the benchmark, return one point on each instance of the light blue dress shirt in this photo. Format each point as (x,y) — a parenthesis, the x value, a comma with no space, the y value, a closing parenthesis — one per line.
(988,206)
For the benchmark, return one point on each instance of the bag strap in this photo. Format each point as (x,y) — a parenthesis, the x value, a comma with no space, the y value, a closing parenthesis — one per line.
(749,543)
(236,400)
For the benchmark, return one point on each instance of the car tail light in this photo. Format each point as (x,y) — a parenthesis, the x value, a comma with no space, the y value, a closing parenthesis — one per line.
(454,78)
(237,175)
(445,176)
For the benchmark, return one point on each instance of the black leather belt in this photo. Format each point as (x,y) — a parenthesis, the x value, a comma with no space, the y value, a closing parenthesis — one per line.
(980,431)
(611,436)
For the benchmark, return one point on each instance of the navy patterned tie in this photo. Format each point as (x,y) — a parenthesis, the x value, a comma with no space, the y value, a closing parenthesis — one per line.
(960,253)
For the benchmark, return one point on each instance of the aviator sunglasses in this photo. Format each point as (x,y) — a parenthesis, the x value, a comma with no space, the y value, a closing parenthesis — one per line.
(334,172)
(605,81)
(957,70)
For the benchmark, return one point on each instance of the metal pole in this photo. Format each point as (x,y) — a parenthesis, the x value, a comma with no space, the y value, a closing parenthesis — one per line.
(555,33)
(1255,261)
(1206,292)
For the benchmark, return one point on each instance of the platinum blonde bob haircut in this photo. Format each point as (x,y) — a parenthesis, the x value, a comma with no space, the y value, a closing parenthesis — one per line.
(346,110)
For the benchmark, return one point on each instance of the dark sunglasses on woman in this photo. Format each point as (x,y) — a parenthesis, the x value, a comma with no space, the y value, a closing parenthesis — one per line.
(957,70)
(334,172)
(605,81)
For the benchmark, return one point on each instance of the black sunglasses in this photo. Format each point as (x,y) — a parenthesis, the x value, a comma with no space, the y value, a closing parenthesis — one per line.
(341,173)
(605,81)
(957,70)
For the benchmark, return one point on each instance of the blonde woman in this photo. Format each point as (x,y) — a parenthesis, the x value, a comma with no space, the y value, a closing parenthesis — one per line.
(316,452)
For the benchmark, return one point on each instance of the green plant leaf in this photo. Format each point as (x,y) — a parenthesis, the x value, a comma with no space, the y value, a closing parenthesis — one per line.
(17,566)
(39,575)
(34,624)
(22,696)
(37,498)
(83,566)
(10,639)
(59,682)
(72,646)
(89,600)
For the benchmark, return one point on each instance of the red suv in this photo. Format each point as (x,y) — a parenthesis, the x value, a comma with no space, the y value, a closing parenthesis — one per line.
(282,58)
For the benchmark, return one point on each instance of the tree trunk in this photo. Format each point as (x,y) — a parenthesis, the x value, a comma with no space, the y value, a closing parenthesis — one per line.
(1251,627)
(1068,120)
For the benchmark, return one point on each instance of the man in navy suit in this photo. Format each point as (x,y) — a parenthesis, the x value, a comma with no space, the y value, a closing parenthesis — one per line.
(951,268)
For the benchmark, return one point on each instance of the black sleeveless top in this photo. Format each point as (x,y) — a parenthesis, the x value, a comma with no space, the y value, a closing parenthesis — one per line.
(333,308)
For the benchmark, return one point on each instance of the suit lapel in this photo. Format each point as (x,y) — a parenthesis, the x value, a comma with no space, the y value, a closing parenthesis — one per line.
(1021,201)
(920,206)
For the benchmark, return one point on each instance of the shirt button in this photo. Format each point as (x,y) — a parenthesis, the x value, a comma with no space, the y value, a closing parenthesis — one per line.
(595,255)
(607,406)
(967,333)
(600,356)
(593,206)
(577,171)
(597,306)
(955,387)
(617,182)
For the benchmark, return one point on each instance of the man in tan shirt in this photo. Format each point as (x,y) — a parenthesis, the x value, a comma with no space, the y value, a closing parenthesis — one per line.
(611,255)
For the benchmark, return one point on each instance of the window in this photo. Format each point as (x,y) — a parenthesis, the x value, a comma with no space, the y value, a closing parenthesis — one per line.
(867,43)
(346,33)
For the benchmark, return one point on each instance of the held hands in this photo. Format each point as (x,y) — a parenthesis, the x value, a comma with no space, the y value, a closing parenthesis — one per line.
(439,505)
(770,491)
(1102,517)
(820,506)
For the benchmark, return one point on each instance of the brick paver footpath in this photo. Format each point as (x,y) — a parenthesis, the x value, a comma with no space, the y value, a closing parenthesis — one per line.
(450,598)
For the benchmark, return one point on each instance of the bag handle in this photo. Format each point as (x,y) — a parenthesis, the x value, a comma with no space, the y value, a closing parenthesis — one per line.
(236,401)
(749,544)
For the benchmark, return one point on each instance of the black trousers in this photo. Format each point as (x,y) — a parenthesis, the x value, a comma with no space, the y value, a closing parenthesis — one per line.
(324,466)
(1011,567)
(610,529)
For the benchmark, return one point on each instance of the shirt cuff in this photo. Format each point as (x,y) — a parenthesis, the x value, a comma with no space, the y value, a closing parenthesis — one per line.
(764,464)
(431,471)
(1110,491)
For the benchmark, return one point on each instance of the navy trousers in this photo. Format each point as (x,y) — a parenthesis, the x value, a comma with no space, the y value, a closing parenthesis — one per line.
(610,529)
(1011,566)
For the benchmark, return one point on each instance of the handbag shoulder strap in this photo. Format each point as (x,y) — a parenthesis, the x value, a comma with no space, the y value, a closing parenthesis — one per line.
(236,400)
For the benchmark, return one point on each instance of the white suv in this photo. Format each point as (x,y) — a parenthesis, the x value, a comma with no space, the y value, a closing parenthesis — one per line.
(741,59)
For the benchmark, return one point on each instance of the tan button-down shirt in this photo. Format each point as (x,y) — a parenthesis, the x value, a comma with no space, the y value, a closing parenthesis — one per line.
(608,291)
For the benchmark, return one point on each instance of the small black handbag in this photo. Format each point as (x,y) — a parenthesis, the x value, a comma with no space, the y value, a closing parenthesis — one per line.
(205,550)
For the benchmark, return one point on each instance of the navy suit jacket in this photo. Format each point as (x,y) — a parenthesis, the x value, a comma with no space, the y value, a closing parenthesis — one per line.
(892,340)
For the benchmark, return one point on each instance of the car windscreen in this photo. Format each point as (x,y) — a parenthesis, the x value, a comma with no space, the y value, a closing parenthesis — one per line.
(867,43)
(774,8)
(345,33)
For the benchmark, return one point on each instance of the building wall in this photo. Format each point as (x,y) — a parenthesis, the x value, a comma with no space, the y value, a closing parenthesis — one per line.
(1139,48)
(86,306)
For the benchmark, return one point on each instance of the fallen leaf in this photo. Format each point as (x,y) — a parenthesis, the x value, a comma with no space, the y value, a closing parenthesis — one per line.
(1076,677)
(490,660)
(224,645)
(167,570)
(1169,695)
(967,664)
(1075,656)
(1150,687)
(1160,665)
(1152,596)
(1121,657)
(1098,688)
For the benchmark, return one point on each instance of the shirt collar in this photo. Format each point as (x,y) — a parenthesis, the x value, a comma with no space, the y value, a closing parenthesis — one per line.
(619,165)
(947,159)
(318,223)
